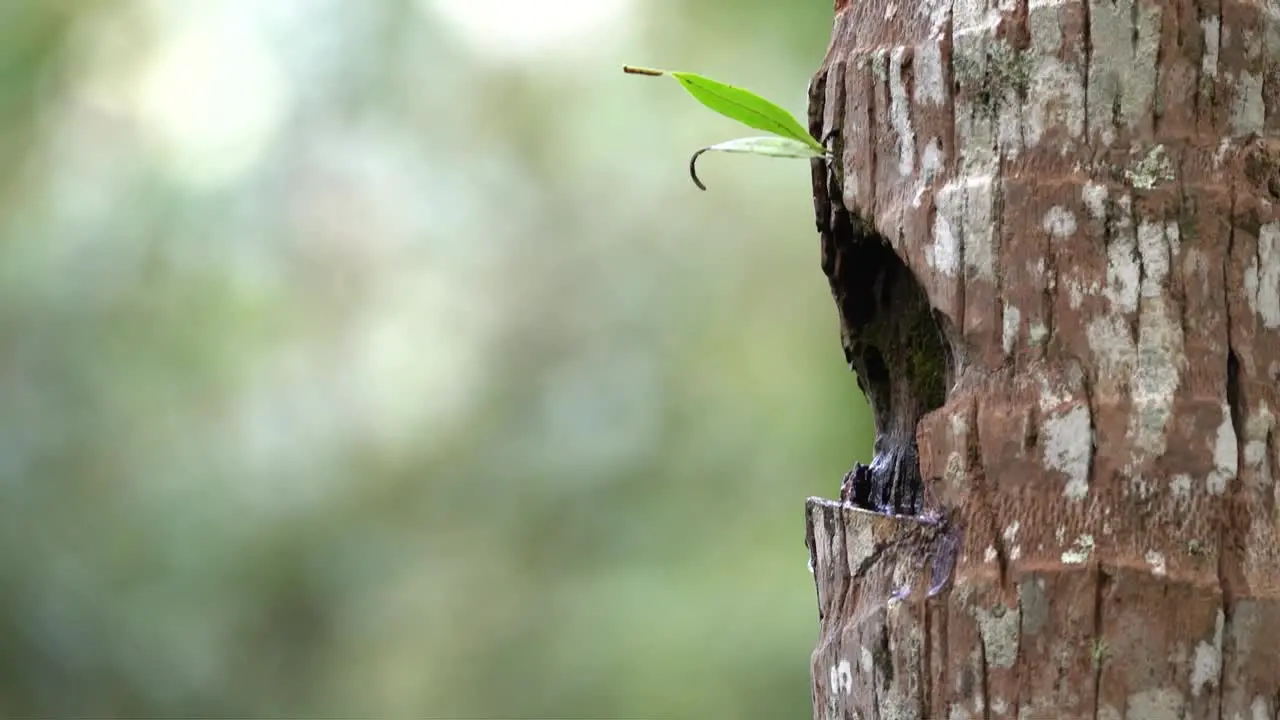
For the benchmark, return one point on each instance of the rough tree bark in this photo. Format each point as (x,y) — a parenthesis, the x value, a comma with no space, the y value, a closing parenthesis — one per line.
(1052,231)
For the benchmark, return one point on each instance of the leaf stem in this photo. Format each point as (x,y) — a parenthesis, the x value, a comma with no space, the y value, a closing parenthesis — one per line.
(637,70)
(693,168)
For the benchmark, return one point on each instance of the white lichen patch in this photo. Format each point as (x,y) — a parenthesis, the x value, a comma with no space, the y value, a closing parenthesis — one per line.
(860,543)
(1153,170)
(999,629)
(1211,27)
(1122,272)
(900,113)
(1263,276)
(931,85)
(943,255)
(840,678)
(1157,562)
(1225,460)
(931,159)
(865,659)
(1075,293)
(979,237)
(1206,666)
(1094,196)
(1059,222)
(1220,154)
(1068,448)
(1159,349)
(989,555)
(1055,90)
(1079,553)
(1122,67)
(1010,533)
(1256,430)
(1037,333)
(1181,486)
(1010,536)
(1248,112)
(1260,709)
(1157,704)
(1113,350)
(1012,320)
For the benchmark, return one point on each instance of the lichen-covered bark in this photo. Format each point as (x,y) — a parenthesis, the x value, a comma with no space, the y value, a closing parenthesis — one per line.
(1074,205)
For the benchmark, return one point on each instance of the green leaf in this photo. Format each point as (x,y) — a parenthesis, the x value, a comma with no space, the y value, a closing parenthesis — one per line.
(738,104)
(769,146)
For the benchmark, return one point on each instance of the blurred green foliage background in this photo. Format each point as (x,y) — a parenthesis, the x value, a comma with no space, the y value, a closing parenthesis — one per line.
(378,358)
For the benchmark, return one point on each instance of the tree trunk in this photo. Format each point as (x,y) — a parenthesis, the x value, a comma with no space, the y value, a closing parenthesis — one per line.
(1051,230)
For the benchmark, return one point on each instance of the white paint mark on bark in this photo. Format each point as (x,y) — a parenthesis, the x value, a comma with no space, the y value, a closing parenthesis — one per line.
(1207,664)
(1157,563)
(1225,462)
(1068,448)
(1095,198)
(1260,709)
(1059,222)
(900,113)
(1012,320)
(989,555)
(1248,113)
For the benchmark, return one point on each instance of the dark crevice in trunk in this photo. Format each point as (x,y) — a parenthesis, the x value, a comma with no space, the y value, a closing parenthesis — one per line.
(891,335)
(895,345)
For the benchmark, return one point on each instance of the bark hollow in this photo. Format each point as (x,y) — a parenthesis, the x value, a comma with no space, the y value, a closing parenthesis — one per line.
(1052,232)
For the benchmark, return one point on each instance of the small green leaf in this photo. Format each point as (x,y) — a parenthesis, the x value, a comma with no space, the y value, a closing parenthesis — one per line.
(746,107)
(738,104)
(770,146)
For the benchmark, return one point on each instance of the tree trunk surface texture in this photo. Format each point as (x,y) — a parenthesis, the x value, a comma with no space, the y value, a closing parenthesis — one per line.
(1052,232)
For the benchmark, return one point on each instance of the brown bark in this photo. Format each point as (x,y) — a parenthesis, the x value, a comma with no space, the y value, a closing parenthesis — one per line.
(1051,230)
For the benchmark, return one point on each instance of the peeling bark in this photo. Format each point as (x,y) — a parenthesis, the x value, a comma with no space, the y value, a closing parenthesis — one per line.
(1052,232)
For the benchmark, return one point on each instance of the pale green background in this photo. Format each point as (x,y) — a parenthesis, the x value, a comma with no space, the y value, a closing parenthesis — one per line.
(373,358)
